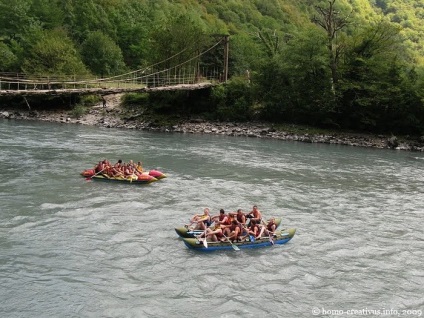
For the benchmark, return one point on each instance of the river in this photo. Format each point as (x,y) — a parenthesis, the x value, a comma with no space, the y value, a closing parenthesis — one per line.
(76,248)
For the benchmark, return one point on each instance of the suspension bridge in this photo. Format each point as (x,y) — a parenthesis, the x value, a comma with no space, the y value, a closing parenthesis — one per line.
(190,74)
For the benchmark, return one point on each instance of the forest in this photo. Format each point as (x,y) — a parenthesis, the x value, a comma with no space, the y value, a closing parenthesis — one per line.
(340,64)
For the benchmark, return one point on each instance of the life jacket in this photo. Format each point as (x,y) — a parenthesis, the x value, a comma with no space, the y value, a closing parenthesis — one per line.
(99,167)
(206,219)
(217,226)
(234,226)
(240,218)
(229,220)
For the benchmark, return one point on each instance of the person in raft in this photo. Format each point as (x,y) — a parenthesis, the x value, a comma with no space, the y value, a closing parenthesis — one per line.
(253,231)
(202,221)
(268,228)
(255,215)
(234,231)
(213,234)
(139,167)
(99,167)
(239,216)
(221,218)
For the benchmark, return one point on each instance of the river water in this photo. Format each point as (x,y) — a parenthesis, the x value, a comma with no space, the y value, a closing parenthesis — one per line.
(76,248)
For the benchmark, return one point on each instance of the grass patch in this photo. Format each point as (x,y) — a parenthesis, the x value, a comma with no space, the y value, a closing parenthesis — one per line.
(90,100)
(78,111)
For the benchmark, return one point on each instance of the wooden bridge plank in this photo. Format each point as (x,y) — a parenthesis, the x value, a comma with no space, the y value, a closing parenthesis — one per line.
(103,91)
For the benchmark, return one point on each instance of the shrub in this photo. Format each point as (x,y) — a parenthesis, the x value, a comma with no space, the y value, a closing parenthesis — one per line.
(78,111)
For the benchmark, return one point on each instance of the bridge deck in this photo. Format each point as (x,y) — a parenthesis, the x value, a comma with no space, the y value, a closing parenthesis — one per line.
(103,90)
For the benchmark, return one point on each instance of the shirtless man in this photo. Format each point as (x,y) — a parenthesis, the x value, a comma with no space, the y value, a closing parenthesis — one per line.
(255,215)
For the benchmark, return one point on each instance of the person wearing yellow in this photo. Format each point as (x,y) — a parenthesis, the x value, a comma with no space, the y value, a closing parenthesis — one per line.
(202,220)
(213,234)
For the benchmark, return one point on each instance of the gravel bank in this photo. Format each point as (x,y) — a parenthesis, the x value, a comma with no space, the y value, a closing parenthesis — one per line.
(111,117)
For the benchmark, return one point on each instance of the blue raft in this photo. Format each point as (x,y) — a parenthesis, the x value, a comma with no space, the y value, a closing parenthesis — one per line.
(280,237)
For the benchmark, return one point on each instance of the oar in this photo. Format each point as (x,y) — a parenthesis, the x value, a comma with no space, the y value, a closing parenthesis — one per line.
(205,242)
(271,237)
(235,247)
(89,178)
(270,234)
(251,237)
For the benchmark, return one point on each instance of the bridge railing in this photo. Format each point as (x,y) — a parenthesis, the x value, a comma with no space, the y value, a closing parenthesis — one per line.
(169,73)
(23,82)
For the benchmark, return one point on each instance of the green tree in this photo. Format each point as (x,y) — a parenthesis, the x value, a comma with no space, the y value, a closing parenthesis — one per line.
(48,13)
(15,18)
(272,41)
(18,28)
(245,54)
(8,59)
(54,54)
(376,89)
(234,100)
(102,55)
(332,21)
(84,16)
(176,41)
(132,22)
(295,85)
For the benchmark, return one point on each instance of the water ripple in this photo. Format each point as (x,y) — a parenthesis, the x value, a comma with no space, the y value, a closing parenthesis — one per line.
(89,249)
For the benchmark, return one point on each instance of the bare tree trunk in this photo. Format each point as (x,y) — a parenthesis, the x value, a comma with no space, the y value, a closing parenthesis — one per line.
(331,22)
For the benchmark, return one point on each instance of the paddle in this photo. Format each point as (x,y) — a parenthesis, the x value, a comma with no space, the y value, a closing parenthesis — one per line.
(89,178)
(246,229)
(205,242)
(235,247)
(251,236)
(270,234)
(271,238)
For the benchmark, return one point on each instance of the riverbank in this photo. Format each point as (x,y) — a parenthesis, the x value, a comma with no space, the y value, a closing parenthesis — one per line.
(114,116)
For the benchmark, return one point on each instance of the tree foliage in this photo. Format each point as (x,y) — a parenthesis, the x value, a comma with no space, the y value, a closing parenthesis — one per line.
(54,54)
(356,64)
(102,55)
(7,58)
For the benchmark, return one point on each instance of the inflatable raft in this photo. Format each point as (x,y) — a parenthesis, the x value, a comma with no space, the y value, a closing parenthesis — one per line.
(145,177)
(279,237)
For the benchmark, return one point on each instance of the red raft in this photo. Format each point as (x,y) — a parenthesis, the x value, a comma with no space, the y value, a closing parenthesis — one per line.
(143,178)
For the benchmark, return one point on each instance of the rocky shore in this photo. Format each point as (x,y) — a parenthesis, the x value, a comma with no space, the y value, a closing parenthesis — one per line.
(112,117)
